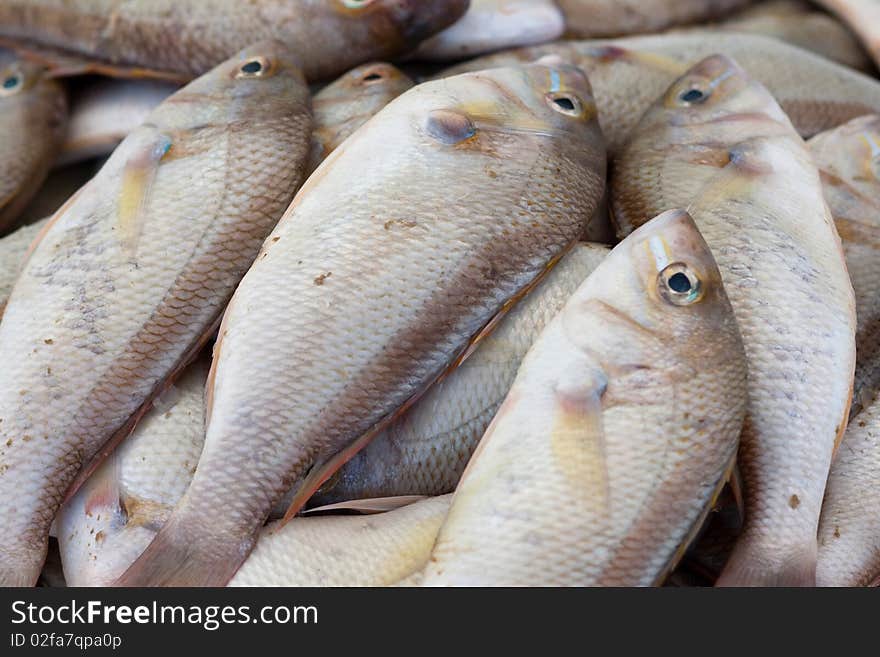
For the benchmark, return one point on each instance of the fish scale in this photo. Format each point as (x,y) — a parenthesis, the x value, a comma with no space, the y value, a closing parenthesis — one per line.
(373,308)
(132,275)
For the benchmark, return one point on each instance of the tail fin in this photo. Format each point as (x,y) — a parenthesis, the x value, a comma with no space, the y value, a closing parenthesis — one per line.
(743,569)
(179,558)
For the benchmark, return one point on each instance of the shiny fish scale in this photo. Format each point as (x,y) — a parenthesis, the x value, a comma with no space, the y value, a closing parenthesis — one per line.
(12,250)
(425,451)
(371,550)
(109,304)
(375,290)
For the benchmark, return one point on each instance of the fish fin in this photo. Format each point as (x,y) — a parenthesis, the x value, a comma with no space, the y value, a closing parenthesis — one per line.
(369,506)
(737,489)
(63,64)
(138,177)
(176,558)
(742,571)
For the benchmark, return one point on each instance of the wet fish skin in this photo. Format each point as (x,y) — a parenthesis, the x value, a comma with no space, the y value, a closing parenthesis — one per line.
(618,433)
(385,549)
(13,248)
(131,276)
(192,36)
(607,18)
(863,17)
(849,531)
(848,158)
(425,451)
(492,25)
(33,118)
(362,342)
(628,75)
(755,193)
(345,105)
(105,112)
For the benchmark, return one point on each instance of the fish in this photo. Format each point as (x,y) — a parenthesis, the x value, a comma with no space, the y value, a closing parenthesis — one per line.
(799,24)
(600,18)
(384,549)
(61,183)
(618,433)
(104,112)
(425,450)
(628,75)
(343,106)
(863,17)
(492,25)
(848,159)
(374,283)
(33,119)
(190,37)
(719,144)
(849,529)
(130,278)
(13,249)
(115,514)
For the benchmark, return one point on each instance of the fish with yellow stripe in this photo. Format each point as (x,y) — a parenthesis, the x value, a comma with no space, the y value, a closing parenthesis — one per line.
(618,433)
(129,279)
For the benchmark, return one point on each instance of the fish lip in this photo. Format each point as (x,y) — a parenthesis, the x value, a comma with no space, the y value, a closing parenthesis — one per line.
(424,18)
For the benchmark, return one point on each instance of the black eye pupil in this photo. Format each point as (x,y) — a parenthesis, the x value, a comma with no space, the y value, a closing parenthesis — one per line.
(372,77)
(692,96)
(11,82)
(565,103)
(679,283)
(252,67)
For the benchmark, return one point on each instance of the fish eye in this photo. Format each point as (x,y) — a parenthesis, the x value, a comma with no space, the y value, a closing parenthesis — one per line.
(679,285)
(372,77)
(567,104)
(11,83)
(254,68)
(356,4)
(693,96)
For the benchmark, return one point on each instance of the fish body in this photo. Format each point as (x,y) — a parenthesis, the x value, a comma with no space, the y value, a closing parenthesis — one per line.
(345,105)
(848,158)
(425,451)
(618,433)
(33,120)
(13,248)
(628,75)
(493,25)
(718,143)
(365,294)
(863,17)
(189,37)
(131,276)
(601,18)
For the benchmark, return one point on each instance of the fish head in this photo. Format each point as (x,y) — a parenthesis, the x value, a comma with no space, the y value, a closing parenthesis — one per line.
(370,80)
(23,82)
(412,20)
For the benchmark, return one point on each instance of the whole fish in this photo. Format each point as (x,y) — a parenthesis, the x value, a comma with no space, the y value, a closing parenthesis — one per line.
(384,549)
(33,118)
(863,17)
(492,25)
(189,37)
(718,143)
(13,248)
(628,75)
(130,278)
(849,531)
(104,528)
(345,105)
(425,450)
(799,24)
(103,113)
(618,433)
(375,283)
(598,18)
(848,158)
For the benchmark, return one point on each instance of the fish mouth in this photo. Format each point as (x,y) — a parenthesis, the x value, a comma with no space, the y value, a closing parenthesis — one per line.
(423,18)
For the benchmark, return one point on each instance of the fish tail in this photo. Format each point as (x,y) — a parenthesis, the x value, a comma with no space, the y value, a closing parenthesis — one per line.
(744,569)
(182,557)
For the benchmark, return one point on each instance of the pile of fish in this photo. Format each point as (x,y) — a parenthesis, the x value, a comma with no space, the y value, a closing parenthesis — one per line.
(439,293)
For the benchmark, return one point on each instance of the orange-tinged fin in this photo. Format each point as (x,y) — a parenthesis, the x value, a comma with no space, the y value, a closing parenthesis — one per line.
(177,558)
(368,506)
(737,488)
(138,177)
(321,472)
(62,64)
(125,430)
